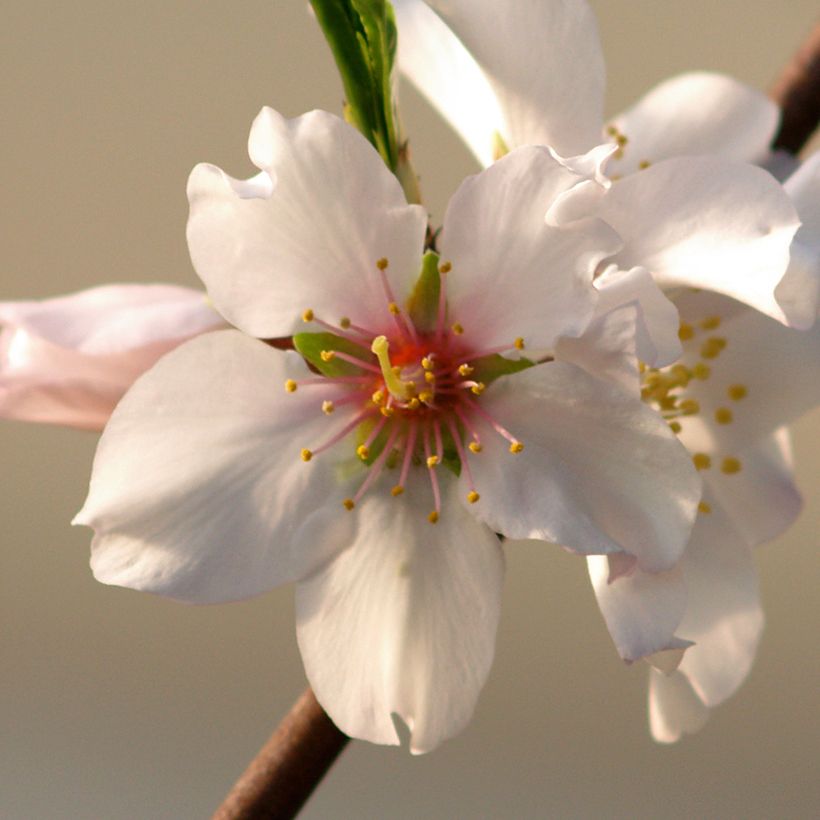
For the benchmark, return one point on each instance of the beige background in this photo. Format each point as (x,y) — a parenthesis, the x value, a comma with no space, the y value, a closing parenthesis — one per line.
(115,704)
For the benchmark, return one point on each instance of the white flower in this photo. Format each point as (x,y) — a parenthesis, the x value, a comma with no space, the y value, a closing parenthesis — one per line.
(68,360)
(232,467)
(534,75)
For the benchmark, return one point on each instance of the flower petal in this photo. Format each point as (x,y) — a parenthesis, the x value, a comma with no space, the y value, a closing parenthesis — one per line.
(723,615)
(403,621)
(68,360)
(642,610)
(513,274)
(600,472)
(308,233)
(706,223)
(436,62)
(198,491)
(697,113)
(549,93)
(674,708)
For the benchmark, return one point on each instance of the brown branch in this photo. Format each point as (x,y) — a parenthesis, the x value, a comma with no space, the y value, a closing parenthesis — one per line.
(288,767)
(797,92)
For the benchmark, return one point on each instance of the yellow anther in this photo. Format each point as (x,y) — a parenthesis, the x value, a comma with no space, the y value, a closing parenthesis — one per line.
(723,415)
(516,447)
(704,507)
(382,263)
(689,407)
(612,130)
(427,363)
(457,329)
(348,503)
(433,517)
(712,347)
(710,322)
(465,370)
(394,308)
(426,396)
(327,355)
(685,332)
(681,375)
(307,455)
(702,461)
(478,389)
(701,371)
(397,490)
(307,316)
(730,465)
(429,377)
(675,427)
(291,386)
(518,344)
(737,392)
(644,164)
(387,412)
(641,367)
(445,267)
(413,404)
(392,382)
(328,407)
(363,452)
(473,496)
(621,139)
(344,323)
(475,446)
(377,397)
(432,461)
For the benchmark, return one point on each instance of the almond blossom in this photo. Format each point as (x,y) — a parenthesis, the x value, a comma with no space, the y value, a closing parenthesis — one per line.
(425,407)
(68,360)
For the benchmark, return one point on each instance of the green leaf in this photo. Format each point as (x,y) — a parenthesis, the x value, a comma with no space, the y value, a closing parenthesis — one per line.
(311,346)
(362,36)
(423,304)
(489,368)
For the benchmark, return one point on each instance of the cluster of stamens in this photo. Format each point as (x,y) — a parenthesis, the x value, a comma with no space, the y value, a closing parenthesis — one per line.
(416,396)
(666,390)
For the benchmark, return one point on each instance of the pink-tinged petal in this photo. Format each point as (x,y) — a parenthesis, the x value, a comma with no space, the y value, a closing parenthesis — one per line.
(436,62)
(799,291)
(697,113)
(308,232)
(707,223)
(723,614)
(761,500)
(774,367)
(674,708)
(600,472)
(403,621)
(198,491)
(68,360)
(642,610)
(549,92)
(512,273)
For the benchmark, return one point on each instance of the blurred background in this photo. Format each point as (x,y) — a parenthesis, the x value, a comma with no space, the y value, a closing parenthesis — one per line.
(115,704)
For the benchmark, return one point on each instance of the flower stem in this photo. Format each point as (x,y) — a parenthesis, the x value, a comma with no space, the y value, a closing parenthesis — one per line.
(281,778)
(797,92)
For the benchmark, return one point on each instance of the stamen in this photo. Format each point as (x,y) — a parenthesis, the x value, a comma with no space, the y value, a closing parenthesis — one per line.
(347,357)
(515,445)
(441,318)
(348,504)
(737,392)
(685,332)
(307,316)
(457,328)
(702,461)
(328,407)
(465,370)
(406,329)
(351,425)
(472,495)
(704,507)
(730,465)
(376,467)
(409,447)
(307,455)
(723,415)
(291,386)
(433,479)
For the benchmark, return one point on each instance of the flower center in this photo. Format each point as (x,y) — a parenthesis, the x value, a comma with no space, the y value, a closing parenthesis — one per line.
(415,393)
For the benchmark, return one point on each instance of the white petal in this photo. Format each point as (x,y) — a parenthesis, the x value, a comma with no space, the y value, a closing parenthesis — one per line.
(600,472)
(437,63)
(642,610)
(513,274)
(674,709)
(697,113)
(723,615)
(544,62)
(308,238)
(706,223)
(198,490)
(762,500)
(403,621)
